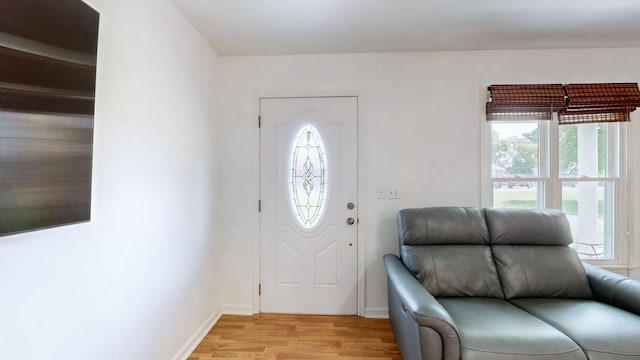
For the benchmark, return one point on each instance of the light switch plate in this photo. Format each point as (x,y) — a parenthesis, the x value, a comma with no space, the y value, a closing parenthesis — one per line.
(393,192)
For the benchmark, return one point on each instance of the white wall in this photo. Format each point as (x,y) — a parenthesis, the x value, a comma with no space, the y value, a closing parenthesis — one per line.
(140,280)
(419,130)
(175,182)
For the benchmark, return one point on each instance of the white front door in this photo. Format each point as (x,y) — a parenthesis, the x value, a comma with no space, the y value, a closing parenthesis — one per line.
(308,222)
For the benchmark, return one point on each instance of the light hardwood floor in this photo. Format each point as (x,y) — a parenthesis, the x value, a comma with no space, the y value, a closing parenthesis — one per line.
(271,336)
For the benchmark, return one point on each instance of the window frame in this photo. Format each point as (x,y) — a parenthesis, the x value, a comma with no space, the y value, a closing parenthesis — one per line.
(551,182)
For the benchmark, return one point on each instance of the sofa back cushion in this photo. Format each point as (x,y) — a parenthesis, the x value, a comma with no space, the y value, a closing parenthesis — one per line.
(541,271)
(532,256)
(528,227)
(442,225)
(454,270)
(447,249)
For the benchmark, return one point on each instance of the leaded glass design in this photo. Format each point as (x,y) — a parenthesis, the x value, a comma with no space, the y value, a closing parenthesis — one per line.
(308,177)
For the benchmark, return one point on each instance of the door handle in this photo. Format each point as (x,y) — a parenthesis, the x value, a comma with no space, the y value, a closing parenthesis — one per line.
(351,221)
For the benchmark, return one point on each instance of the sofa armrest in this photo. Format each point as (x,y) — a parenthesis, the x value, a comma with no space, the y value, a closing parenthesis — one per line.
(421,306)
(614,289)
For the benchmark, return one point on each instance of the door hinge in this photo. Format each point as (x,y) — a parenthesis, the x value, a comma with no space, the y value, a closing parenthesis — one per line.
(259,205)
(259,121)
(259,289)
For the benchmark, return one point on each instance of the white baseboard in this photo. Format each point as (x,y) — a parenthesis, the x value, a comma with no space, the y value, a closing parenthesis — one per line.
(193,342)
(369,312)
(237,309)
(376,312)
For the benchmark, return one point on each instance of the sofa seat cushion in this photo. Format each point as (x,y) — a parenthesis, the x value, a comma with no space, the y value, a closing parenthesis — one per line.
(493,329)
(604,332)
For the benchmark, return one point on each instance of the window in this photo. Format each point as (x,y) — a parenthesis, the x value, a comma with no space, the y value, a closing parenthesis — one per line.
(580,169)
(564,147)
(515,164)
(308,177)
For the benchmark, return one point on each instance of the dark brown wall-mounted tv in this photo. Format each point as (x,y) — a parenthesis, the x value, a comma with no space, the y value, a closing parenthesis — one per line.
(47,90)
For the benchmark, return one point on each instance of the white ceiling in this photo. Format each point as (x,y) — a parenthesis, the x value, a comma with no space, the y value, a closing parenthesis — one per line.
(280,27)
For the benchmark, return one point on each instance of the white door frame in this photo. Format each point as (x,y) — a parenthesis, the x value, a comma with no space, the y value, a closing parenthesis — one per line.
(362,206)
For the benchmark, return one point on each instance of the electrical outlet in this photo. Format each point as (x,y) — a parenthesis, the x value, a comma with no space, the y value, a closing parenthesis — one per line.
(382,192)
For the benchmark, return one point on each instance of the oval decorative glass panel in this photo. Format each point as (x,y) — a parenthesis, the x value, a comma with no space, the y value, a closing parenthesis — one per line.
(308,177)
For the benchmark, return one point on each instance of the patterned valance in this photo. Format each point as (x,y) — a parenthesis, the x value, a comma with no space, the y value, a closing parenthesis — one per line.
(574,103)
(610,102)
(535,101)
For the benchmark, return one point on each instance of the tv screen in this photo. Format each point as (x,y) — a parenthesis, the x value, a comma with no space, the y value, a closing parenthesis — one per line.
(47,90)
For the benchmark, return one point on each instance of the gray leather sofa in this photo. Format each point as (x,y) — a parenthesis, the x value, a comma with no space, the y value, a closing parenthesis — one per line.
(475,283)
